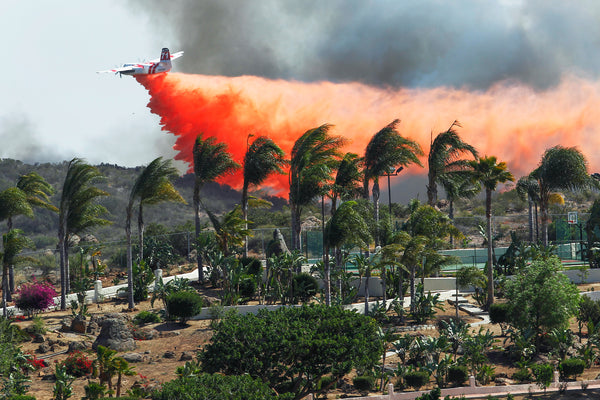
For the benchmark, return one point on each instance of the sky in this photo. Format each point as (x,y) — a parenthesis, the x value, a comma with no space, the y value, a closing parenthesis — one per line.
(537,57)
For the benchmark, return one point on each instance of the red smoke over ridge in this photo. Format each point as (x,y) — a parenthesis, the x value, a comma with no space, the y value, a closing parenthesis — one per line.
(511,122)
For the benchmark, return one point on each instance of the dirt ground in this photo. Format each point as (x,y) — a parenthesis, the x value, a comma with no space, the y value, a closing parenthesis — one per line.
(189,338)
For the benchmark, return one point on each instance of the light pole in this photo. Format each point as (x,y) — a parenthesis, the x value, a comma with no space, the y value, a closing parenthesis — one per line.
(391,172)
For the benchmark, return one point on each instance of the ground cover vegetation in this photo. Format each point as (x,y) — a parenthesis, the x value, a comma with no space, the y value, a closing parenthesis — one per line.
(316,347)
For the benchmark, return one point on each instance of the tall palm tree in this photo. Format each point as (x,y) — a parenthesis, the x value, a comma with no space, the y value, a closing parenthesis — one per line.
(445,156)
(152,186)
(263,158)
(348,180)
(387,149)
(211,160)
(529,189)
(346,226)
(30,191)
(13,242)
(314,157)
(489,173)
(78,212)
(561,168)
(458,185)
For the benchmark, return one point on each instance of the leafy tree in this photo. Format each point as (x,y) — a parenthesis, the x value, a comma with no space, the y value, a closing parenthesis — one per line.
(262,159)
(561,168)
(489,173)
(211,161)
(230,230)
(294,347)
(314,156)
(541,298)
(387,150)
(78,212)
(152,186)
(445,157)
(217,387)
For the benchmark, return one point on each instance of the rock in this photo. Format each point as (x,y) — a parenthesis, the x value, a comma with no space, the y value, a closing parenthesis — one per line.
(79,325)
(43,348)
(92,327)
(500,381)
(38,338)
(78,346)
(277,246)
(66,324)
(169,354)
(133,357)
(61,343)
(145,334)
(115,334)
(186,356)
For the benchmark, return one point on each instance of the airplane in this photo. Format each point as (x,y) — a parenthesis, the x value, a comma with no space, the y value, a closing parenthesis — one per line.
(147,68)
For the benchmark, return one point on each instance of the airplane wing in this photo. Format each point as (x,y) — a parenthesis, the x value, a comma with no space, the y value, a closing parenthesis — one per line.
(115,70)
(176,55)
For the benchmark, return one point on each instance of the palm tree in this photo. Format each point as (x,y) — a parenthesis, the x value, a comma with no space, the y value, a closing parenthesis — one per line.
(387,149)
(314,156)
(489,173)
(263,158)
(346,226)
(13,243)
(529,189)
(152,186)
(444,157)
(30,191)
(211,160)
(348,179)
(561,168)
(78,211)
(458,185)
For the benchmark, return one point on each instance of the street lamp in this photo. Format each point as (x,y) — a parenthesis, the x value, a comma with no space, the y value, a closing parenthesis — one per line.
(392,172)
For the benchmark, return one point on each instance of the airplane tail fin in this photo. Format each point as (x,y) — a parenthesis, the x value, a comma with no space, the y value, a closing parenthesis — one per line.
(165,59)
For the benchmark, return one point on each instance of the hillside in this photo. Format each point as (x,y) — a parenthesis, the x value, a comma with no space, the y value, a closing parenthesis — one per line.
(118,182)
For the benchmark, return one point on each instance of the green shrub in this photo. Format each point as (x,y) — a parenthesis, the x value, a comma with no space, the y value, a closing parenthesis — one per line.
(252,265)
(247,288)
(146,317)
(21,397)
(364,383)
(305,286)
(522,375)
(499,313)
(184,305)
(217,387)
(416,379)
(572,367)
(457,374)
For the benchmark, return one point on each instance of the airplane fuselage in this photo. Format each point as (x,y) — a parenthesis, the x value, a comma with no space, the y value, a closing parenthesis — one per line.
(146,69)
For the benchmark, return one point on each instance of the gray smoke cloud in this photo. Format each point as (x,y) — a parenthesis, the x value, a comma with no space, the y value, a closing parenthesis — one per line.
(418,43)
(20,141)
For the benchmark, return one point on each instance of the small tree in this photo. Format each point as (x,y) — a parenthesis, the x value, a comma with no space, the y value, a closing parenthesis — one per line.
(184,305)
(541,298)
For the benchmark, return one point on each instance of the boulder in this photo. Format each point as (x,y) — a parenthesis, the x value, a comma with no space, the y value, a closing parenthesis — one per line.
(186,356)
(133,357)
(115,334)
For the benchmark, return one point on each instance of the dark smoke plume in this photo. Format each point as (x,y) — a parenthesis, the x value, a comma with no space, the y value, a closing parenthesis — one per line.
(420,43)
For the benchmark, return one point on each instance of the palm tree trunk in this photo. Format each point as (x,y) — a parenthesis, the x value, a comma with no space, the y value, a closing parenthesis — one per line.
(431,190)
(545,218)
(245,214)
(129,261)
(537,228)
(4,291)
(412,287)
(451,216)
(376,209)
(140,231)
(296,227)
(490,244)
(530,218)
(327,277)
(63,275)
(367,276)
(11,282)
(384,284)
(198,228)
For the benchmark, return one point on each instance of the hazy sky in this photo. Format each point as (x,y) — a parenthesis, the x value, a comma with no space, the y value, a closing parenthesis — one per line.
(53,106)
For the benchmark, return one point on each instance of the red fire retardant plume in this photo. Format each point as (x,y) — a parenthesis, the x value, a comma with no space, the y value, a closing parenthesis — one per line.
(510,121)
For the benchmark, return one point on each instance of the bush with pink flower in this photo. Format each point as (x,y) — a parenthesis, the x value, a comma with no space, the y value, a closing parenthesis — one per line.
(35,297)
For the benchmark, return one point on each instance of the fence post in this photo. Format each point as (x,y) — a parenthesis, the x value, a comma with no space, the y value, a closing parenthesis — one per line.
(98,291)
